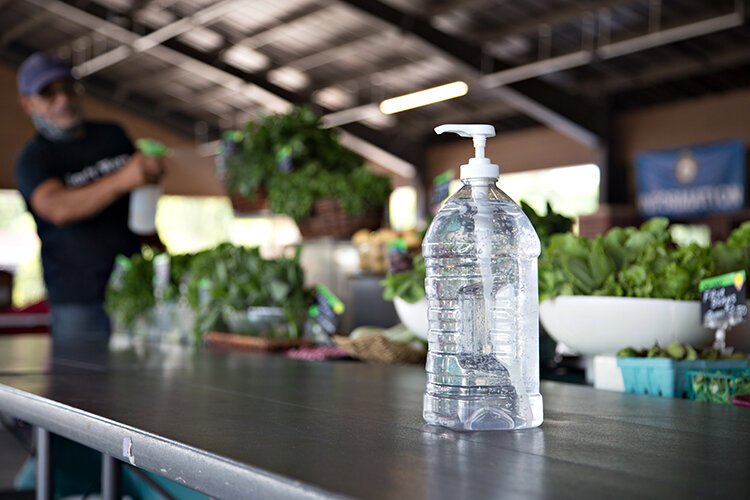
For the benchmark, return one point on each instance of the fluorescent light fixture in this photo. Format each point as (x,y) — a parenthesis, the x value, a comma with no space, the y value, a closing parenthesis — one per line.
(202,39)
(424,97)
(289,78)
(334,98)
(245,58)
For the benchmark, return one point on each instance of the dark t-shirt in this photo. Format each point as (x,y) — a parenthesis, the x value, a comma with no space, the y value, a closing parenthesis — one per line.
(78,258)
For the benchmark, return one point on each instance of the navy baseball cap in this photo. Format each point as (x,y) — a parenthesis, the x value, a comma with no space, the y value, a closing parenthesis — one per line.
(39,70)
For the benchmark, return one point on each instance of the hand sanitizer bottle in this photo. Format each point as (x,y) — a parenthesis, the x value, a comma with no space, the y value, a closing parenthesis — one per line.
(481,255)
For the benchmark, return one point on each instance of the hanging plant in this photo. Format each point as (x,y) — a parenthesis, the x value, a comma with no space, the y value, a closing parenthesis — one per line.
(296,162)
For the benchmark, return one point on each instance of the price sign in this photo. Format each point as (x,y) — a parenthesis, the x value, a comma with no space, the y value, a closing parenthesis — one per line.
(440,189)
(723,300)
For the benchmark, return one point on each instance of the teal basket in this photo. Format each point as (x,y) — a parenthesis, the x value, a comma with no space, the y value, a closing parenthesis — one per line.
(717,387)
(666,377)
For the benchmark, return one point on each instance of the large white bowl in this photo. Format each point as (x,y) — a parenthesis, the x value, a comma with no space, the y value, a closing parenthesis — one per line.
(603,325)
(414,316)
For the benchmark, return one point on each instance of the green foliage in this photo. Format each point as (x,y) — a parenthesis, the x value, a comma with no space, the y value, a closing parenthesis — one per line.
(298,162)
(239,278)
(547,225)
(213,280)
(637,262)
(130,293)
(678,352)
(409,285)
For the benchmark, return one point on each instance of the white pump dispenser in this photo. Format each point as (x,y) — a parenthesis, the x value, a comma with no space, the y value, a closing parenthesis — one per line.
(479,165)
(480,255)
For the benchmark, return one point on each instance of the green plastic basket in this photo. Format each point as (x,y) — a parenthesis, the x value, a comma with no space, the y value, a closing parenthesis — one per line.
(667,377)
(719,386)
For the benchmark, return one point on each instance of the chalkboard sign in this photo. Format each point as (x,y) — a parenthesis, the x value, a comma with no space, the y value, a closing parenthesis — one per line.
(440,189)
(723,301)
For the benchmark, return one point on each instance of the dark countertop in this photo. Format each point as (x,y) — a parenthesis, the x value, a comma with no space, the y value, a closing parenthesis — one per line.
(232,423)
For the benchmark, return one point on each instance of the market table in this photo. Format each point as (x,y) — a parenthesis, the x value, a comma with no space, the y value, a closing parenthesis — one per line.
(239,425)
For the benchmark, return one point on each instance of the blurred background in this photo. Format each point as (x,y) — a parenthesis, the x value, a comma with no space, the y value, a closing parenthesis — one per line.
(576,89)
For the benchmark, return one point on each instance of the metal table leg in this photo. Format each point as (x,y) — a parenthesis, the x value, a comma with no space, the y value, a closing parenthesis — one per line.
(111,473)
(43,464)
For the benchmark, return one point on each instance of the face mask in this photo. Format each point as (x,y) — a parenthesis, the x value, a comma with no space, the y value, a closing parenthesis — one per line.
(55,133)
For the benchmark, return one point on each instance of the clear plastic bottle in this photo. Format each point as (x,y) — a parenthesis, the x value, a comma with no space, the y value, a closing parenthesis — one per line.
(481,256)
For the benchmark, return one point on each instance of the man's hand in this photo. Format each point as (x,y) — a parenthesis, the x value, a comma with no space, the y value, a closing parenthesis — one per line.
(140,170)
(60,205)
(153,169)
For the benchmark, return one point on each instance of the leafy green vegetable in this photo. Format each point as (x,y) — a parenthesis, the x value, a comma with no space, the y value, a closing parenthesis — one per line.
(298,162)
(677,351)
(408,285)
(223,277)
(130,293)
(547,225)
(637,262)
(238,278)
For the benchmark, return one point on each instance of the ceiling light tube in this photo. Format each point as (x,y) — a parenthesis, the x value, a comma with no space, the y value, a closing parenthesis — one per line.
(424,97)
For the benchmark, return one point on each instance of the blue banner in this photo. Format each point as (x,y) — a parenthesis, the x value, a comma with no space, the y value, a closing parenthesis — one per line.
(692,181)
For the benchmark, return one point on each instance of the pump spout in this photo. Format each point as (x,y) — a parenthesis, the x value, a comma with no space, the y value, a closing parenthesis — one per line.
(467,129)
(479,165)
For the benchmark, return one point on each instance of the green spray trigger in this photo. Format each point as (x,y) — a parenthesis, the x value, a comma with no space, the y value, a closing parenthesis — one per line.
(151,147)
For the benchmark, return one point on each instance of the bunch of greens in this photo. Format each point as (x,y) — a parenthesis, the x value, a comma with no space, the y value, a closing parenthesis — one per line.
(733,254)
(238,278)
(678,352)
(408,285)
(294,193)
(547,225)
(130,292)
(637,262)
(297,162)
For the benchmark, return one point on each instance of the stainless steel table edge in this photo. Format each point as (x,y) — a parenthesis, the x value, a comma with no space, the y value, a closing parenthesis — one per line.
(211,474)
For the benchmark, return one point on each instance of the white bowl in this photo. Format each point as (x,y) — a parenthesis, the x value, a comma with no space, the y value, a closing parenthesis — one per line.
(603,325)
(414,316)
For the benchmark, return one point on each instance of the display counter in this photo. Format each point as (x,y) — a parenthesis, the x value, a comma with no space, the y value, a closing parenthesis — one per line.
(239,425)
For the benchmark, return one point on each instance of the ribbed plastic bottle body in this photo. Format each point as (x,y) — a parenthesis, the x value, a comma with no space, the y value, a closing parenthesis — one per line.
(481,257)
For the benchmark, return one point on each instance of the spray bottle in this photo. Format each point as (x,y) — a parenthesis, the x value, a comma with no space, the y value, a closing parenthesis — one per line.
(143,200)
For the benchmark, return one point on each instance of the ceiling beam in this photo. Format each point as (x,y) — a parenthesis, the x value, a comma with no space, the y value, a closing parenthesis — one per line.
(24,28)
(320,57)
(573,116)
(685,68)
(97,18)
(443,7)
(261,36)
(358,80)
(203,17)
(493,112)
(552,17)
(105,90)
(614,49)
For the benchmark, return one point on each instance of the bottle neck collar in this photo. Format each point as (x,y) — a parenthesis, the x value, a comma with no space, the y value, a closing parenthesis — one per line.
(479,181)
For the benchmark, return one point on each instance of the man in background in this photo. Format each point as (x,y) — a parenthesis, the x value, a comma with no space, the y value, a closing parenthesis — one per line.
(75,176)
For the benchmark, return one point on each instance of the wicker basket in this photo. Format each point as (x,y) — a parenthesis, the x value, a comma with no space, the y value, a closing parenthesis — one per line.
(329,219)
(242,205)
(378,349)
(232,341)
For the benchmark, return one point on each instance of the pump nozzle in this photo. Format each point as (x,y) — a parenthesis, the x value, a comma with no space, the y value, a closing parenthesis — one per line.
(479,165)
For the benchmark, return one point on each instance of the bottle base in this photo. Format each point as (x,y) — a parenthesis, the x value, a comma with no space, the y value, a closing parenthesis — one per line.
(479,414)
